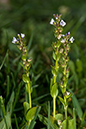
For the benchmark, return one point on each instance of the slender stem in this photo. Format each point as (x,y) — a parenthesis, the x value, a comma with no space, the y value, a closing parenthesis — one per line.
(54,98)
(65,108)
(54,106)
(29,92)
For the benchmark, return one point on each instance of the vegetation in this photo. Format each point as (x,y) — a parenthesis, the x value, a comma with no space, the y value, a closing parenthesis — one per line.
(29,77)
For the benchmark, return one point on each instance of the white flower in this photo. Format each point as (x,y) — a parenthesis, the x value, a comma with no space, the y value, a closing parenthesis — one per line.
(22,35)
(14,40)
(59,122)
(62,23)
(52,21)
(56,17)
(71,39)
(63,40)
(68,93)
(59,36)
(68,33)
(18,34)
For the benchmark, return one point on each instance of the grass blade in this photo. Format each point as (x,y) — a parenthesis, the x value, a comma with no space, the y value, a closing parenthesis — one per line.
(77,106)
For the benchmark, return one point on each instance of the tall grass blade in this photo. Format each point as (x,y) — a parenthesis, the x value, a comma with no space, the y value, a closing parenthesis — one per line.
(8,86)
(3,61)
(48,115)
(16,96)
(10,103)
(77,106)
(16,121)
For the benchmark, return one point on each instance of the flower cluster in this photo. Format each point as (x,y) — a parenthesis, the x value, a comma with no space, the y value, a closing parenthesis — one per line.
(22,46)
(26,63)
(60,55)
(17,40)
(59,23)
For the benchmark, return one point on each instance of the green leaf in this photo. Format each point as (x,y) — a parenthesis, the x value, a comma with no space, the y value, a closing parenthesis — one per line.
(8,85)
(77,106)
(54,90)
(2,106)
(51,83)
(58,56)
(74,117)
(33,122)
(24,57)
(71,66)
(30,42)
(68,124)
(22,65)
(79,65)
(40,97)
(6,122)
(62,100)
(44,120)
(54,56)
(25,78)
(48,115)
(16,122)
(30,114)
(68,96)
(10,103)
(17,95)
(6,56)
(26,106)
(59,117)
(54,71)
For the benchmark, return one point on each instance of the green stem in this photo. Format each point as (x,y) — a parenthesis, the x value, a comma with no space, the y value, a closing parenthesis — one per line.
(54,106)
(65,108)
(29,92)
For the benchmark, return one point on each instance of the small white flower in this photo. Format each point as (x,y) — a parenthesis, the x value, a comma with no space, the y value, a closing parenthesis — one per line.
(68,33)
(68,93)
(71,39)
(52,21)
(56,17)
(62,23)
(18,34)
(59,122)
(14,40)
(59,36)
(63,40)
(22,35)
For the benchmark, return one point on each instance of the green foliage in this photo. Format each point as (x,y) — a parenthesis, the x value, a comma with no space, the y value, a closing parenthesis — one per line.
(6,122)
(32,18)
(77,106)
(54,90)
(30,114)
(25,78)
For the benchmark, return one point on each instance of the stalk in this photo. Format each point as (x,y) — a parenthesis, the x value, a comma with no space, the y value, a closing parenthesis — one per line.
(29,92)
(65,108)
(56,57)
(54,106)
(26,63)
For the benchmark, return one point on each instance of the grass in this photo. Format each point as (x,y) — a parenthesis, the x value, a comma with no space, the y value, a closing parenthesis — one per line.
(32,18)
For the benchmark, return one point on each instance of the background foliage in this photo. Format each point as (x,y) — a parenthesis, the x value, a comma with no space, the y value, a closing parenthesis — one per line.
(32,18)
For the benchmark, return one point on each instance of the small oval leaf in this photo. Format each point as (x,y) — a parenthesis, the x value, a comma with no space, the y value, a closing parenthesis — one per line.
(31,114)
(25,78)
(54,90)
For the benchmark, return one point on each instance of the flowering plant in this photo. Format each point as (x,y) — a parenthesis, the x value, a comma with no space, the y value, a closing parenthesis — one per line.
(30,111)
(60,56)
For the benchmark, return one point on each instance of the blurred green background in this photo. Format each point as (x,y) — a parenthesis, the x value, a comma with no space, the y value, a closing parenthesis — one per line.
(32,18)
